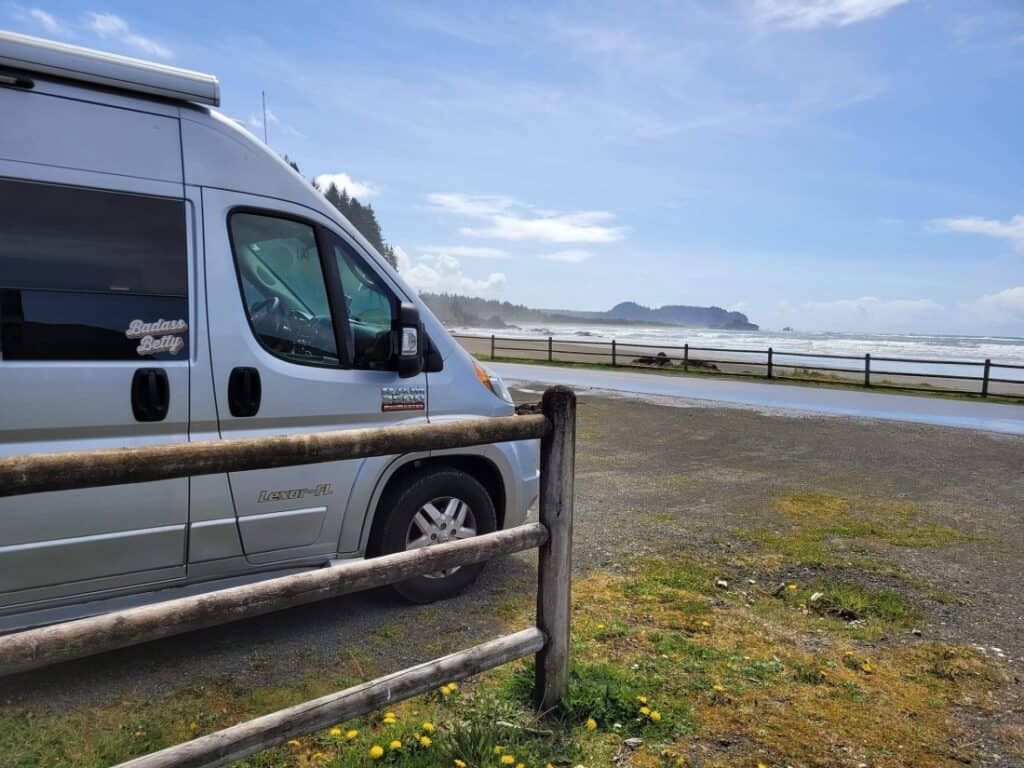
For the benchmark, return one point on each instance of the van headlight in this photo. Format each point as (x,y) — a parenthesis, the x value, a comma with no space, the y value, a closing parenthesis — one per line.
(493,382)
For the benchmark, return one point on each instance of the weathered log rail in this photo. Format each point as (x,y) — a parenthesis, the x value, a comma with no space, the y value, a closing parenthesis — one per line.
(549,639)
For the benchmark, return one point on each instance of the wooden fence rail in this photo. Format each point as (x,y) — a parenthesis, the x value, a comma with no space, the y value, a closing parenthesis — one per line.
(549,640)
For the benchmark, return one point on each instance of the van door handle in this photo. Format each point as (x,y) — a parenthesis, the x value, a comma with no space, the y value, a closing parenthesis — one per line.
(151,394)
(244,392)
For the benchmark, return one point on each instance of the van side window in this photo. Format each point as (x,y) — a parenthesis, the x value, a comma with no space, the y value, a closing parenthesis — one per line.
(283,287)
(370,308)
(81,268)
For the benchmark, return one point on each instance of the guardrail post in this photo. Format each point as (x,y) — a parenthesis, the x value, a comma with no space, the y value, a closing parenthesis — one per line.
(492,346)
(769,362)
(984,380)
(554,589)
(867,369)
(686,357)
(613,352)
(550,356)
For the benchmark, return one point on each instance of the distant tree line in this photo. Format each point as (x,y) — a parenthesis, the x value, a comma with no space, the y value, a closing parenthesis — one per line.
(362,217)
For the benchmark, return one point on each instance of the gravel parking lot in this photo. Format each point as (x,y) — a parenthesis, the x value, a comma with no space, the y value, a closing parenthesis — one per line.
(656,478)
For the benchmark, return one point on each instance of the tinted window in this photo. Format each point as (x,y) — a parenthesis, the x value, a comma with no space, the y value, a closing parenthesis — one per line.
(370,308)
(70,239)
(91,275)
(283,287)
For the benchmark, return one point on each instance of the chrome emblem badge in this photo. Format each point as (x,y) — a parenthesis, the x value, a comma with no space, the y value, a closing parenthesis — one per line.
(403,398)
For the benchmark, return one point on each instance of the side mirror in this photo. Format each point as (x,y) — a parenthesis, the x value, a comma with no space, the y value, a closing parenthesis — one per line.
(408,342)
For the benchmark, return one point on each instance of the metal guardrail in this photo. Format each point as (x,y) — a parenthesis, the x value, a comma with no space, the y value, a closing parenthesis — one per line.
(549,639)
(648,356)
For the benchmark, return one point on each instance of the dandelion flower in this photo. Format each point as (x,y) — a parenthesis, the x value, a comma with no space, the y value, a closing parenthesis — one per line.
(425,741)
(498,749)
(351,735)
(335,732)
(376,752)
(460,763)
(761,765)
(520,765)
(791,587)
(866,668)
(645,711)
(294,743)
(718,688)
(429,727)
(642,699)
(507,759)
(591,724)
(705,623)
(655,716)
(396,744)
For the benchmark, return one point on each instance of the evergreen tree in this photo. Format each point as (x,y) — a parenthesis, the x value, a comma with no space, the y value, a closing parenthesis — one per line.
(360,216)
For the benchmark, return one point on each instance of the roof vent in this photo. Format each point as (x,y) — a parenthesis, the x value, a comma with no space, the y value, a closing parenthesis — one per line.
(34,54)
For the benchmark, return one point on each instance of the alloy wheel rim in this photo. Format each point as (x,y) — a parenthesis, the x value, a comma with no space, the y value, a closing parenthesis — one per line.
(446,518)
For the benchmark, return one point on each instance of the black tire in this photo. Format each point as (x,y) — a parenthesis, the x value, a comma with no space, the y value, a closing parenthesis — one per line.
(402,504)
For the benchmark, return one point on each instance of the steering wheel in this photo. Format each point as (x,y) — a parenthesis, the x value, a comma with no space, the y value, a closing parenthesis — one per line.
(267,317)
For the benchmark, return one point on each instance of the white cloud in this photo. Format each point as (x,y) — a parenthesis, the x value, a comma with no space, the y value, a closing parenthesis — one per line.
(867,313)
(1012,230)
(1006,304)
(471,205)
(809,14)
(568,257)
(47,21)
(508,219)
(360,189)
(111,26)
(443,273)
(469,251)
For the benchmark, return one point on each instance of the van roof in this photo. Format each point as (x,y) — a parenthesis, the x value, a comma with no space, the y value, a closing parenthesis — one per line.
(48,57)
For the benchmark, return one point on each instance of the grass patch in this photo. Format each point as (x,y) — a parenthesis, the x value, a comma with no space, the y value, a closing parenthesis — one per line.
(699,673)
(826,530)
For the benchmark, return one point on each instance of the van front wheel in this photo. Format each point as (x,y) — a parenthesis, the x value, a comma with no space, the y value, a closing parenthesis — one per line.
(438,506)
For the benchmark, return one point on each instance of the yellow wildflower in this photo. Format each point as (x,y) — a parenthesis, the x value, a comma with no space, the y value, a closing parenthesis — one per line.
(761,765)
(460,763)
(520,765)
(335,732)
(718,688)
(429,727)
(425,741)
(866,668)
(396,744)
(294,743)
(656,716)
(351,735)
(705,623)
(645,711)
(507,759)
(498,749)
(591,724)
(642,699)
(376,752)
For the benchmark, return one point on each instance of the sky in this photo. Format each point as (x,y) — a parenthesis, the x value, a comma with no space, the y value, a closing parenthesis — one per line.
(822,164)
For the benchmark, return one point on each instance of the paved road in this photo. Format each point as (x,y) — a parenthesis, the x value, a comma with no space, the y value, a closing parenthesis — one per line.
(992,417)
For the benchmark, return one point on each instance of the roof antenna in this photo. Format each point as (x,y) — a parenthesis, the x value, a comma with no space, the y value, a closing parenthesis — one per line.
(264,95)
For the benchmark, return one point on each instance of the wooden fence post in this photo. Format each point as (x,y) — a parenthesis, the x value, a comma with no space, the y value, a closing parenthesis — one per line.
(769,362)
(550,356)
(867,369)
(613,352)
(686,357)
(492,346)
(554,589)
(984,381)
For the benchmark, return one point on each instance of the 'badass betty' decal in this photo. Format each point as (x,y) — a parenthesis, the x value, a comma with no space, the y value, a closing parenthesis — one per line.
(158,336)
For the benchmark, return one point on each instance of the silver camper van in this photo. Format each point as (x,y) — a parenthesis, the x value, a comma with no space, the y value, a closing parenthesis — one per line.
(165,277)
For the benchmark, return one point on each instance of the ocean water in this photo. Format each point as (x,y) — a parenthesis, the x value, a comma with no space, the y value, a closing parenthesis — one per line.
(961,355)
